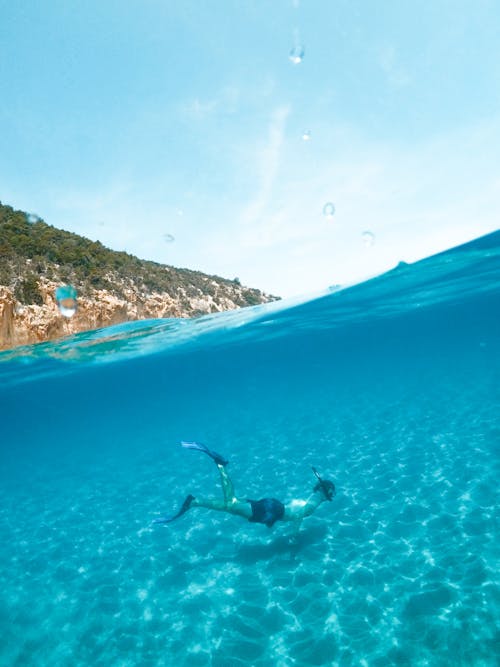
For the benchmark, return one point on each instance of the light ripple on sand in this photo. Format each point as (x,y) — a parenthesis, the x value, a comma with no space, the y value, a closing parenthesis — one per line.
(400,566)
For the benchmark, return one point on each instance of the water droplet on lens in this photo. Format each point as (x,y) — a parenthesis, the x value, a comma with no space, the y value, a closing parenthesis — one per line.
(32,218)
(296,55)
(306,135)
(66,300)
(168,238)
(368,238)
(329,210)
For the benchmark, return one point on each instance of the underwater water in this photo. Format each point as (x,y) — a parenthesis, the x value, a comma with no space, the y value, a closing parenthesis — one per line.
(390,388)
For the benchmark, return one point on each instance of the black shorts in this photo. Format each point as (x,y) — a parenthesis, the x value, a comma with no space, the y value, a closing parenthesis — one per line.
(267,511)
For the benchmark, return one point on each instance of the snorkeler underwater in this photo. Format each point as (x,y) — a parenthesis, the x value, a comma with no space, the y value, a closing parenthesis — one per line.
(265,510)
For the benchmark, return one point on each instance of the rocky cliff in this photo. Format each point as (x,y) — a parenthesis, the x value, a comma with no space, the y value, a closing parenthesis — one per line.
(36,259)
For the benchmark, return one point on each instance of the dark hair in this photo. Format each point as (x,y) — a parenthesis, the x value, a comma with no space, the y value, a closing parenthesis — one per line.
(327,487)
(324,485)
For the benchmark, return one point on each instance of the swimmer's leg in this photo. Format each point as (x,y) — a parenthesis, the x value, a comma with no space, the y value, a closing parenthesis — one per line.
(191,501)
(227,487)
(230,503)
(237,507)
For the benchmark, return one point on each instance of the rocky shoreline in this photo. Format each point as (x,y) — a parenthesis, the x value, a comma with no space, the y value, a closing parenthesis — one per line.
(22,324)
(38,260)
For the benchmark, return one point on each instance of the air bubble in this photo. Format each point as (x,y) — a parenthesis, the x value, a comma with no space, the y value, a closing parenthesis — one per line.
(306,135)
(368,239)
(329,210)
(168,238)
(296,55)
(66,300)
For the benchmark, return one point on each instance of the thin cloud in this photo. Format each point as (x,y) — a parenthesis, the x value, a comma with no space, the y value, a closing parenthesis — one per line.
(199,109)
(268,160)
(226,101)
(392,68)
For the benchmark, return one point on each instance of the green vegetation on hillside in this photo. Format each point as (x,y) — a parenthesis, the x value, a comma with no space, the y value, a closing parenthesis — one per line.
(30,249)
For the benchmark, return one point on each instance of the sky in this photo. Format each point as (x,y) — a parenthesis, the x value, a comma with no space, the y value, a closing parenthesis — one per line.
(182,132)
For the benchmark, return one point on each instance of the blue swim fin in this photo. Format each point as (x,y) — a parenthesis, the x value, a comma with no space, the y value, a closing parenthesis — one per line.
(184,508)
(219,460)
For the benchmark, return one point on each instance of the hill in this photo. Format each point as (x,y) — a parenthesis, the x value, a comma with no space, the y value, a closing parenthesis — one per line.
(113,287)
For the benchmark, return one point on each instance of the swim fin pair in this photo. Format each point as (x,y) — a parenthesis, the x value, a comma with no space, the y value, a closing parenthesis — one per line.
(219,460)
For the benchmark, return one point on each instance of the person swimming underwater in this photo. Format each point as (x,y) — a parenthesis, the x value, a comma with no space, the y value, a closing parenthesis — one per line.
(266,510)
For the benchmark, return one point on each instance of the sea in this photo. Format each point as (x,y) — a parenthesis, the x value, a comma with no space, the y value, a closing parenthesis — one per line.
(389,388)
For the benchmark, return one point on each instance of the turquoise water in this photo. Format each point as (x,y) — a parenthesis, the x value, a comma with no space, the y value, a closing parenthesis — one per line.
(390,388)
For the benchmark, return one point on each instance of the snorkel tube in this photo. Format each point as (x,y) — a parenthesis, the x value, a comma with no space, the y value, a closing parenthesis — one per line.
(326,486)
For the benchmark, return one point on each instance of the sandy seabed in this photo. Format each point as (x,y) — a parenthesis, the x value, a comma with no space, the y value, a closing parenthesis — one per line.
(400,569)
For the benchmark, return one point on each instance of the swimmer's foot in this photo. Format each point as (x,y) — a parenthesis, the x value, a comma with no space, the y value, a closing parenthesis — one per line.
(184,508)
(219,460)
